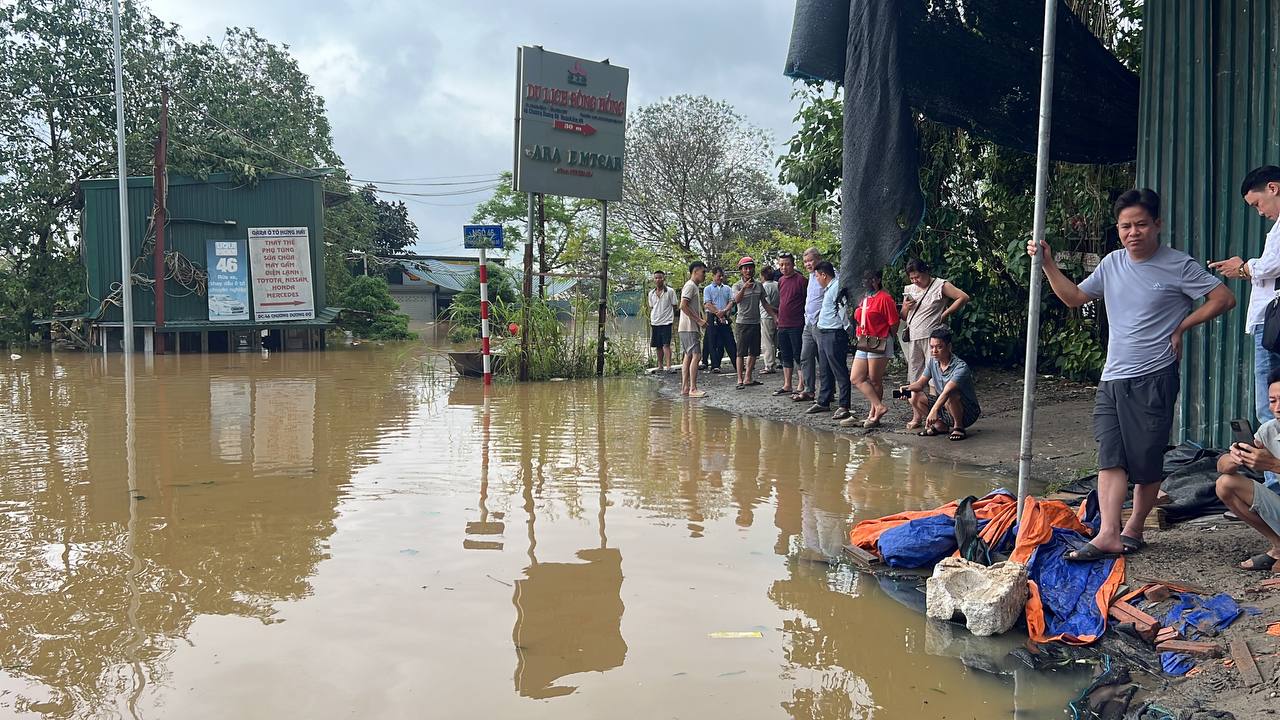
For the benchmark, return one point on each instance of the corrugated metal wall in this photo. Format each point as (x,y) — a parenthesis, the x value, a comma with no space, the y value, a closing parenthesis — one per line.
(1210,84)
(196,213)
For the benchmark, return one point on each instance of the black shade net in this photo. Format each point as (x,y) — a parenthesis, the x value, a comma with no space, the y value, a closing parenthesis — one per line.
(973,64)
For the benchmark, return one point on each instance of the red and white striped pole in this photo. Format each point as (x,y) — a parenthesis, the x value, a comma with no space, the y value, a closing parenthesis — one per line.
(484,318)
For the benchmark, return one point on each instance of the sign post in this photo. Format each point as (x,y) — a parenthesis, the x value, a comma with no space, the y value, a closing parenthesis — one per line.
(483,238)
(571,117)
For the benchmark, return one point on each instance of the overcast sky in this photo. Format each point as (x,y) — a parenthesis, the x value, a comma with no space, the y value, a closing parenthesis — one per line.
(427,89)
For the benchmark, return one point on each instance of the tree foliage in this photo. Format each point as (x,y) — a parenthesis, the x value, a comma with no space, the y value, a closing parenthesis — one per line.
(371,312)
(814,153)
(241,106)
(698,178)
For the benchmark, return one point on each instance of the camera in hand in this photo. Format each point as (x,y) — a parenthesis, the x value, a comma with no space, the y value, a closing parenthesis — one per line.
(902,393)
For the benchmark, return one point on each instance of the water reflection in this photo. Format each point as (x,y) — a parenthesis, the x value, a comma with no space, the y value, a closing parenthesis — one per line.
(366,526)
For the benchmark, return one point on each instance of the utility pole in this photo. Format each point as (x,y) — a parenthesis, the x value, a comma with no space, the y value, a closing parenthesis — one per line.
(604,285)
(160,182)
(542,246)
(126,251)
(526,313)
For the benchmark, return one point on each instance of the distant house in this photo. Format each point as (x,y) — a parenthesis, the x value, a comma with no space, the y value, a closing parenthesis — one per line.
(424,285)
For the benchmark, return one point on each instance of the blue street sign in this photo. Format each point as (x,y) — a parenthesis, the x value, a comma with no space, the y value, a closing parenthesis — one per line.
(482,236)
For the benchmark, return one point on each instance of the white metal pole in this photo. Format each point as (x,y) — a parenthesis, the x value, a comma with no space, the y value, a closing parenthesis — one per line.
(1037,232)
(484,317)
(126,252)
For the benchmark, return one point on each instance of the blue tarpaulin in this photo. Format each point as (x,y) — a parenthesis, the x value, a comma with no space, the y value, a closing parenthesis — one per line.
(1195,616)
(919,543)
(1069,590)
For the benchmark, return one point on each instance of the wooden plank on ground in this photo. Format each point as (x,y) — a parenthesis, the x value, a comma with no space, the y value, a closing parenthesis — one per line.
(1179,586)
(1145,625)
(1135,592)
(1195,649)
(1243,656)
(860,556)
(1157,519)
(1167,634)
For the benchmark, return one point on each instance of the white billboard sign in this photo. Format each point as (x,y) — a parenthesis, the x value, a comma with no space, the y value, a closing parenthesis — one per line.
(571,122)
(280,260)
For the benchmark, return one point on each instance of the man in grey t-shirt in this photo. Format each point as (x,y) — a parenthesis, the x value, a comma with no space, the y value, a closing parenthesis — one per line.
(1149,291)
(956,407)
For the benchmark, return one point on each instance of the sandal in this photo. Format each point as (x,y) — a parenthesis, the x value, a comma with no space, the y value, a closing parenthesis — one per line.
(929,432)
(957,435)
(1090,553)
(755,382)
(1261,562)
(1132,544)
(740,386)
(698,394)
(783,391)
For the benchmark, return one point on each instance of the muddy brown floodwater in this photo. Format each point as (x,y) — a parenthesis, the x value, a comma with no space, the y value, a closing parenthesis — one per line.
(358,533)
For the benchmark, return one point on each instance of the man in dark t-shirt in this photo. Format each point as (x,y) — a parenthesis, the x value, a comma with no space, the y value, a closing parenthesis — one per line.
(791,296)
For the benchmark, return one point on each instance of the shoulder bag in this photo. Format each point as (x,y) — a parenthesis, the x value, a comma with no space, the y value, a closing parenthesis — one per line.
(867,343)
(1271,322)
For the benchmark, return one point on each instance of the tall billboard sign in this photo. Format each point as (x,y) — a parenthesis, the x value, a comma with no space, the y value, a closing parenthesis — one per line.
(571,121)
(228,268)
(281,260)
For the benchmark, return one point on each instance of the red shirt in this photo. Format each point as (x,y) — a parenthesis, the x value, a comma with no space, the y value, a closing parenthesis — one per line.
(791,297)
(882,314)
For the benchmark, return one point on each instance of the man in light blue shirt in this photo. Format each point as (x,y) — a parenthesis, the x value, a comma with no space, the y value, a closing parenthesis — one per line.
(716,299)
(833,345)
(809,341)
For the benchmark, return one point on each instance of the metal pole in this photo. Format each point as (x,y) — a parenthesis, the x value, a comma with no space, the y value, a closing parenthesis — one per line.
(126,252)
(1037,233)
(604,285)
(160,184)
(542,246)
(484,319)
(526,311)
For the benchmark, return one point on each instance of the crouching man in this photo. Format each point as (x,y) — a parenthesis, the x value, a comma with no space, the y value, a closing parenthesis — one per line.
(1253,502)
(956,406)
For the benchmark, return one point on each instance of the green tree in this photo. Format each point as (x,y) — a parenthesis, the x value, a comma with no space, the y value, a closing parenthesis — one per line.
(371,312)
(814,154)
(699,178)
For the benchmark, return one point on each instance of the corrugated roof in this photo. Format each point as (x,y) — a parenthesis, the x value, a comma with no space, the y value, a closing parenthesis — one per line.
(455,277)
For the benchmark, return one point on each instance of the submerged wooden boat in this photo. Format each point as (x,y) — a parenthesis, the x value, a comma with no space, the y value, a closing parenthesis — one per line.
(471,363)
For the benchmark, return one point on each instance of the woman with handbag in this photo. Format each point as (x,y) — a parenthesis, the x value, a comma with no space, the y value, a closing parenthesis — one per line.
(875,321)
(926,304)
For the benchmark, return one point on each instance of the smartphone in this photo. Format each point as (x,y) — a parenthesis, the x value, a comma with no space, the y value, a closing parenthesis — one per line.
(902,394)
(1242,432)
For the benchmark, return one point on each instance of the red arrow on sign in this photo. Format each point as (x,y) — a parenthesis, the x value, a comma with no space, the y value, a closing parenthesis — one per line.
(583,128)
(291,302)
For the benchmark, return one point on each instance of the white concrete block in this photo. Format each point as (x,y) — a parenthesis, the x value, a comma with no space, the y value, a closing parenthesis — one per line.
(989,599)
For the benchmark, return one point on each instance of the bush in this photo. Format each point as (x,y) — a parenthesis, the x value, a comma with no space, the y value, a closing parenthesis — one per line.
(372,314)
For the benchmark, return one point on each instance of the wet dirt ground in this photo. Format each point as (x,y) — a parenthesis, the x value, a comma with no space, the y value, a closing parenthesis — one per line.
(359,533)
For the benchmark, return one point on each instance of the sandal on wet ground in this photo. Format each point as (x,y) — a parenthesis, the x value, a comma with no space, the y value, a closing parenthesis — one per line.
(1132,544)
(1261,562)
(740,386)
(1090,553)
(783,391)
(698,394)
(930,432)
(957,435)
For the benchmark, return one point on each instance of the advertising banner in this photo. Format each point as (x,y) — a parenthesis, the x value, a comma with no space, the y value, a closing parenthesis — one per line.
(281,260)
(570,126)
(227,263)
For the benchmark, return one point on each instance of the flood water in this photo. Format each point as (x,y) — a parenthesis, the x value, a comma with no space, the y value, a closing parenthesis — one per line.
(358,533)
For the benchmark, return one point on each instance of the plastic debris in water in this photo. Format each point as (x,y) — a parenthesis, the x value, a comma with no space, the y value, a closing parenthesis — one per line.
(735,634)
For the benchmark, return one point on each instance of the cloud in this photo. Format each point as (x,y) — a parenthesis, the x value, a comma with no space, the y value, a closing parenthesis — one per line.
(427,89)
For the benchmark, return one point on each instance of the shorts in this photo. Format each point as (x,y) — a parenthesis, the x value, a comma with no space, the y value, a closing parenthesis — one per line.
(1132,420)
(691,341)
(790,341)
(886,355)
(971,414)
(1267,505)
(747,337)
(659,336)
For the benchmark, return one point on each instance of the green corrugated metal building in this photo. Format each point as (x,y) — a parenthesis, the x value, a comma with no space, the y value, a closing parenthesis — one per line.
(199,210)
(1209,114)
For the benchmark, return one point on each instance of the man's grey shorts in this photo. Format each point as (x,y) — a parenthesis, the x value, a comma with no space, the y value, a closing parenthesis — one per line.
(1267,504)
(691,343)
(1132,419)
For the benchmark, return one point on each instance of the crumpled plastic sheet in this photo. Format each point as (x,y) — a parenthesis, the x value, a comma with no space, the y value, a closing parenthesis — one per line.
(1176,664)
(1195,616)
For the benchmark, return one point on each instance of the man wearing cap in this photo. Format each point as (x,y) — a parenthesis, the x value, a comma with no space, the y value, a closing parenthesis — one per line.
(748,295)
